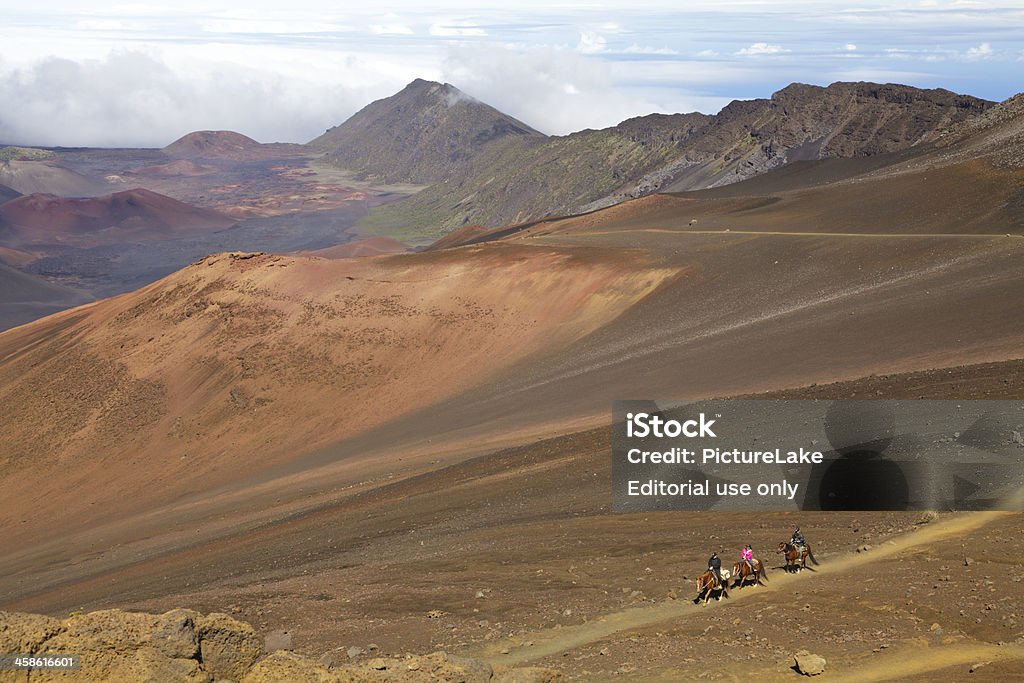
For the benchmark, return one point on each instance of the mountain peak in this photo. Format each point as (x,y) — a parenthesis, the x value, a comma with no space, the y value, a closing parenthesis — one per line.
(425,133)
(432,89)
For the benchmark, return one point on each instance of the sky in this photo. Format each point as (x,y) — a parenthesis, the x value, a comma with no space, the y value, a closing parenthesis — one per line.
(145,73)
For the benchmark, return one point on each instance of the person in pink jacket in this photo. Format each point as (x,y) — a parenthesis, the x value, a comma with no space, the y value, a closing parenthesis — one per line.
(747,555)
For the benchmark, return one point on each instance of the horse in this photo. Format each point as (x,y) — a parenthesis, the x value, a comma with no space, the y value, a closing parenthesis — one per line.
(744,574)
(795,560)
(707,583)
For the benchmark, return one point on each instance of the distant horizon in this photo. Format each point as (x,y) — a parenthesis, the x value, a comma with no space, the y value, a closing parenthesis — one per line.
(145,73)
(5,143)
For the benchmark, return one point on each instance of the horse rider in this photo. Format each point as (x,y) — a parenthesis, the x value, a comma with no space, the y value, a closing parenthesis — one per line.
(715,567)
(747,555)
(798,540)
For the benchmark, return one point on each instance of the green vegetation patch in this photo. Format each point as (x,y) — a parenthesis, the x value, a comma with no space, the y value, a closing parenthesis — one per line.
(24,154)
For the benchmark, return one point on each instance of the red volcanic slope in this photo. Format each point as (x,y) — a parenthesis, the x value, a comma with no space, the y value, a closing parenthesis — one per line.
(133,214)
(228,145)
(213,144)
(373,246)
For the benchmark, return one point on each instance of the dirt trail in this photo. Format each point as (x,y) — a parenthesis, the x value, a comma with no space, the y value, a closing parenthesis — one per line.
(927,660)
(553,641)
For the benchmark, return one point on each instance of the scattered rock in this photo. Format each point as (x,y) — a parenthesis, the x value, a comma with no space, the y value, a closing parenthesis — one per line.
(809,664)
(354,652)
(126,646)
(968,562)
(228,647)
(174,634)
(23,633)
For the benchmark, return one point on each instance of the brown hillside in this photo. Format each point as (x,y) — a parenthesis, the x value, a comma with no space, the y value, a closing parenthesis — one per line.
(132,215)
(244,360)
(47,177)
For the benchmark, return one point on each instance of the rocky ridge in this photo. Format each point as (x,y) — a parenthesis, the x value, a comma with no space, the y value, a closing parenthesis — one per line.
(526,177)
(184,645)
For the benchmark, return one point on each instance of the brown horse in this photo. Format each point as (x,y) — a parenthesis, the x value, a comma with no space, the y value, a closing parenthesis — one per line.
(743,574)
(796,560)
(707,583)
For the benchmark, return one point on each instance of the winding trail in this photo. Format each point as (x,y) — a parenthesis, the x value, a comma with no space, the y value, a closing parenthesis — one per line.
(928,660)
(547,642)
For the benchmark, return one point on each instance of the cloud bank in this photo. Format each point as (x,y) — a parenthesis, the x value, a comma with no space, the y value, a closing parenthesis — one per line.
(144,74)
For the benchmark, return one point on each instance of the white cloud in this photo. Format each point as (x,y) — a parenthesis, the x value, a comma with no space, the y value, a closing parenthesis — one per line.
(285,72)
(758,49)
(982,51)
(456,29)
(611,27)
(569,91)
(131,98)
(592,42)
